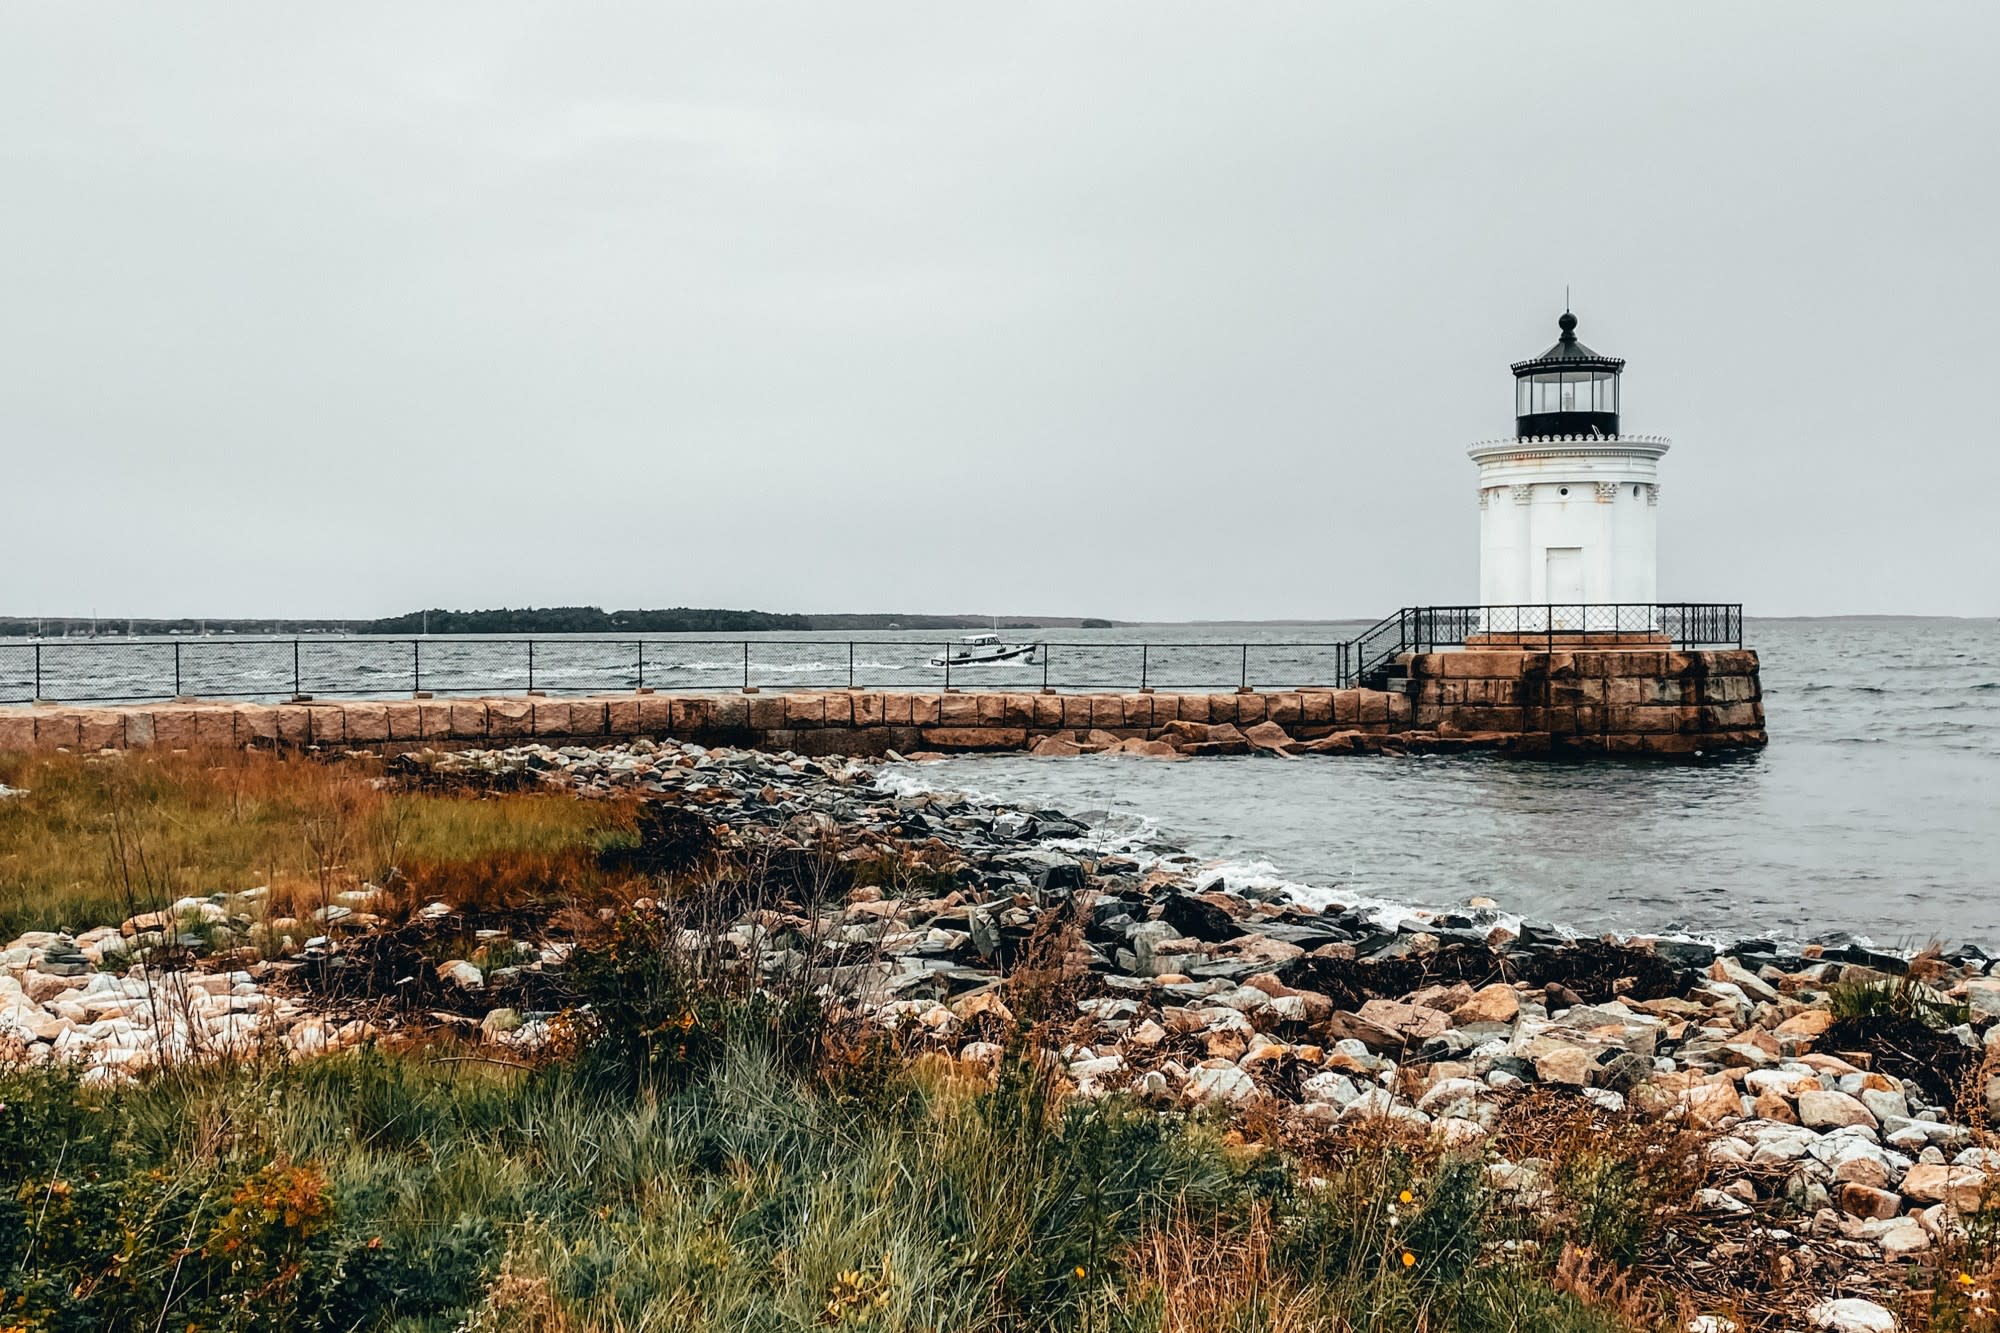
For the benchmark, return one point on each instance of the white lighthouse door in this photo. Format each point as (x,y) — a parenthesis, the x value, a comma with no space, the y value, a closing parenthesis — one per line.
(1565,587)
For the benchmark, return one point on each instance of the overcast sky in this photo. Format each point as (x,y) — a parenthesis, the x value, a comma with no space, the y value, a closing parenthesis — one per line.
(1138,310)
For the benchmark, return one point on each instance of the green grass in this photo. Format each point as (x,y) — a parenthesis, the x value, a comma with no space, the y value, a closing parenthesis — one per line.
(414,1191)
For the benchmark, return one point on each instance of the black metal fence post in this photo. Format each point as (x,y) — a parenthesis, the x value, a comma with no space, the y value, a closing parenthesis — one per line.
(850,664)
(1045,668)
(1145,662)
(1243,683)
(531,666)
(177,670)
(945,653)
(296,691)
(416,666)
(38,669)
(642,664)
(746,666)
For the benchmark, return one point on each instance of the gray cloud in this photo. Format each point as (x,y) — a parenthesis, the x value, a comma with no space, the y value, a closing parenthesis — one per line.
(1135,310)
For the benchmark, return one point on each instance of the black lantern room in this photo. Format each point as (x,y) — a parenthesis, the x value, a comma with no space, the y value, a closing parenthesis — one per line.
(1567,390)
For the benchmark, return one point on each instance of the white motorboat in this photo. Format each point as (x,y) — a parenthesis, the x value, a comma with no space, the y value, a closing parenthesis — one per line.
(981,649)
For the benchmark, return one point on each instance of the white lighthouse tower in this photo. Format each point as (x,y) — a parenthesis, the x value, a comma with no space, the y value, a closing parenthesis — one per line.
(1569,506)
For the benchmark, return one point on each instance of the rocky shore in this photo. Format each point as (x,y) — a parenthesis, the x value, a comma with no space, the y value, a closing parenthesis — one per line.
(1836,1093)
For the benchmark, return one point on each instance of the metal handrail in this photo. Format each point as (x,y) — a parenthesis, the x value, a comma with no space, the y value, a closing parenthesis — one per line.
(135,670)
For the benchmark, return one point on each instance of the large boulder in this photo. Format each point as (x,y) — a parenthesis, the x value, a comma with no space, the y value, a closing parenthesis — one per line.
(1498,1003)
(1959,1186)
(1271,738)
(1414,1023)
(1833,1110)
(1866,1201)
(1202,918)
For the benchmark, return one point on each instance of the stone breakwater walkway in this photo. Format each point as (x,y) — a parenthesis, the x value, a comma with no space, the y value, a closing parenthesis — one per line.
(1624,701)
(1845,1151)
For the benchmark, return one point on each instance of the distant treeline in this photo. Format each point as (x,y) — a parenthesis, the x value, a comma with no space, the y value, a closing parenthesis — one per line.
(537,620)
(584,620)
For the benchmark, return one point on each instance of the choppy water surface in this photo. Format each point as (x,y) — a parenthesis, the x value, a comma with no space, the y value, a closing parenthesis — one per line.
(1875,810)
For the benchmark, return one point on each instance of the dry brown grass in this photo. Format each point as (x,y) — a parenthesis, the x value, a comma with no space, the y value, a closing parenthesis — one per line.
(1206,1275)
(1598,1285)
(99,837)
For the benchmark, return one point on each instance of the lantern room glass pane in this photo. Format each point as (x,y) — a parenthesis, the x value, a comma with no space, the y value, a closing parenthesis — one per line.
(1567,391)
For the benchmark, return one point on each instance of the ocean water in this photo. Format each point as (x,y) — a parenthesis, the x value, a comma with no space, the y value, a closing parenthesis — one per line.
(328,666)
(1875,810)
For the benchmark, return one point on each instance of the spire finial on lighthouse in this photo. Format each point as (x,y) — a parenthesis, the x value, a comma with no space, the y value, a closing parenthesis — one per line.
(1568,325)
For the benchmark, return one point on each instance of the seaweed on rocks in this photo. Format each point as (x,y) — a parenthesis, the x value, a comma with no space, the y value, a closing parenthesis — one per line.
(1595,970)
(419,770)
(1599,970)
(396,971)
(1905,1046)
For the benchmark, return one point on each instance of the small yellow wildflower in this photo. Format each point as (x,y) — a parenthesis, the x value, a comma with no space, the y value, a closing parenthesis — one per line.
(1080,1272)
(1409,1260)
(1405,1196)
(1965,1279)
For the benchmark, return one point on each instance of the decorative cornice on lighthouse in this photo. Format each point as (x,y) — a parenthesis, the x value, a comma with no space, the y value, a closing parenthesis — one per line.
(1570,446)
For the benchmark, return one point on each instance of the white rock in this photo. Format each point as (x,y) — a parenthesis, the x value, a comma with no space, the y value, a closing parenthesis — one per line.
(1774,1141)
(1088,1073)
(1458,1133)
(1783,1080)
(1716,1201)
(1729,1150)
(1330,1086)
(1904,1236)
(1613,1102)
(1851,1314)
(1446,1091)
(1221,1083)
(1381,1103)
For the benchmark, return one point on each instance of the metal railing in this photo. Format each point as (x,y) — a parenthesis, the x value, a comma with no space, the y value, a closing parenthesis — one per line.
(113,670)
(1546,625)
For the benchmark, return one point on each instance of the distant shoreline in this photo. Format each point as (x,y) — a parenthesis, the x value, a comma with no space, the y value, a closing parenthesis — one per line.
(534,620)
(687,620)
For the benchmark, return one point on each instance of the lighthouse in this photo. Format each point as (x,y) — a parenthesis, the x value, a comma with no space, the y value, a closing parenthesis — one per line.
(1569,505)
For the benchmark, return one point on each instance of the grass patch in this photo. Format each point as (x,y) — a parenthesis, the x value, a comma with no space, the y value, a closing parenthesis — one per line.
(97,839)
(409,1191)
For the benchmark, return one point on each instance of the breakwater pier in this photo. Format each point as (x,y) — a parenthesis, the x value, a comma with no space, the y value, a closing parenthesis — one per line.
(1633,699)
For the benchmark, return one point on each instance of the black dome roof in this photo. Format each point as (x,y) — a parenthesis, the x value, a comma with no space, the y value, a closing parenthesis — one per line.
(1567,354)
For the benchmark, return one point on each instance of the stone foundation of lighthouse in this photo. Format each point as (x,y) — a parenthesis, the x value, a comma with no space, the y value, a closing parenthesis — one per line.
(1569,521)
